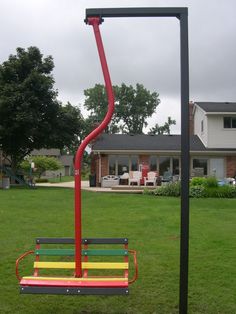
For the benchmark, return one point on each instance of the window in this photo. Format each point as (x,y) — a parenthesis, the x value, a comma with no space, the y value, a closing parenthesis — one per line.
(175,166)
(118,164)
(229,122)
(123,164)
(200,163)
(164,165)
(112,164)
(202,126)
(153,163)
(134,163)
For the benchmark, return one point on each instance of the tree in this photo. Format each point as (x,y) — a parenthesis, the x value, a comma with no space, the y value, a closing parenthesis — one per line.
(42,164)
(162,129)
(30,115)
(96,102)
(132,107)
(70,125)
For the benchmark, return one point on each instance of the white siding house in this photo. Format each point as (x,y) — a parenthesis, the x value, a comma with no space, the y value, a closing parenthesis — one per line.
(211,125)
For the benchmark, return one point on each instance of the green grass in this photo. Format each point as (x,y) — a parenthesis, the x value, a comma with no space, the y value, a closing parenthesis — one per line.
(62,179)
(152,226)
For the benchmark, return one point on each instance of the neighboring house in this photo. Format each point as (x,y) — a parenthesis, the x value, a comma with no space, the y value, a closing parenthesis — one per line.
(212,146)
(66,161)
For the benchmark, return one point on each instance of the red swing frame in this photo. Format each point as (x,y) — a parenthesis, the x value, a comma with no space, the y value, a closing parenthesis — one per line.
(81,283)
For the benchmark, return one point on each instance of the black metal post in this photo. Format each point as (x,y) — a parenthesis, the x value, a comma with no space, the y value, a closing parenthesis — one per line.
(182,15)
(184,239)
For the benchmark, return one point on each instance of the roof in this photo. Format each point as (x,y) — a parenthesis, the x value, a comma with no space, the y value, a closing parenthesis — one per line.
(67,160)
(217,106)
(46,152)
(168,143)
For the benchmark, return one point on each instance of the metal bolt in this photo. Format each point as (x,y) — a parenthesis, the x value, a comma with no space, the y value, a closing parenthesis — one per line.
(78,291)
(67,290)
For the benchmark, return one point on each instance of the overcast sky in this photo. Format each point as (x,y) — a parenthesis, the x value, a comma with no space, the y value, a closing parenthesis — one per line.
(139,50)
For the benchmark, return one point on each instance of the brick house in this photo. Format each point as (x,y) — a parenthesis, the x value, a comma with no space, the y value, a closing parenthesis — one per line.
(212,146)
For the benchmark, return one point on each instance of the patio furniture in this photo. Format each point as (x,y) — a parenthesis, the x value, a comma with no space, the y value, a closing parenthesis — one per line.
(109,181)
(135,177)
(167,177)
(151,178)
(198,172)
(124,178)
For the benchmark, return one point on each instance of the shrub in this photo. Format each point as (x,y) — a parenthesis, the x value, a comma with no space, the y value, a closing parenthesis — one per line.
(197,181)
(226,191)
(147,191)
(197,191)
(211,182)
(170,189)
(41,180)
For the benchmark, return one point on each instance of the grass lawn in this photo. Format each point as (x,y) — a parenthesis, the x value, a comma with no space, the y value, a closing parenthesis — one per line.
(62,179)
(152,226)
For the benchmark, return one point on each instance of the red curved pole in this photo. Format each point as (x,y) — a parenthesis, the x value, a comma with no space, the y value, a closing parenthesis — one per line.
(94,21)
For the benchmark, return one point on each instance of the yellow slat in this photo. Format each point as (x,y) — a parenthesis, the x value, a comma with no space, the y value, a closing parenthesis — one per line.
(85,265)
(75,279)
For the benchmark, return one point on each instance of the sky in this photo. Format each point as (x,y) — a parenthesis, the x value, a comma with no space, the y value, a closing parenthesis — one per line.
(139,50)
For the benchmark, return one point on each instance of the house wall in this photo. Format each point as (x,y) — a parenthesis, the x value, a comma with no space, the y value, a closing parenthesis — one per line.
(231,166)
(191,118)
(228,167)
(218,136)
(102,167)
(200,116)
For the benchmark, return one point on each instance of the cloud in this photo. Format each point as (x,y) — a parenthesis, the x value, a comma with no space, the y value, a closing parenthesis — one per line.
(138,50)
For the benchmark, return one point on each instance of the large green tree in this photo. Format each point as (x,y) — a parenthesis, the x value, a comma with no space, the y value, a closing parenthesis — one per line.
(162,129)
(96,103)
(133,105)
(70,126)
(30,115)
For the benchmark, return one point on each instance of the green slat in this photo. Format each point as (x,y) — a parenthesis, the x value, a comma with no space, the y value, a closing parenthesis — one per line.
(70,252)
(55,252)
(105,252)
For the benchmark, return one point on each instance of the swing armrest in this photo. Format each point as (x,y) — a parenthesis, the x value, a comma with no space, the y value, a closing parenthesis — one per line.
(18,261)
(135,277)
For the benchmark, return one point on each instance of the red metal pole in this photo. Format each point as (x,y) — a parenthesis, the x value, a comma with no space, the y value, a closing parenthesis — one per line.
(94,21)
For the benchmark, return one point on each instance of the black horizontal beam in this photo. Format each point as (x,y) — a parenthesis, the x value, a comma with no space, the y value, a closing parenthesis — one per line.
(73,291)
(135,12)
(84,241)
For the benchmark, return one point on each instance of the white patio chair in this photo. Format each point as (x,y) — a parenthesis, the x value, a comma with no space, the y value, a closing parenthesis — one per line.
(151,178)
(135,177)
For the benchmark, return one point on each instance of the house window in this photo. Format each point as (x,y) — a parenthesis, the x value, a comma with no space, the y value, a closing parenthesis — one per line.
(164,165)
(200,163)
(175,165)
(112,164)
(202,126)
(134,163)
(123,164)
(153,163)
(229,122)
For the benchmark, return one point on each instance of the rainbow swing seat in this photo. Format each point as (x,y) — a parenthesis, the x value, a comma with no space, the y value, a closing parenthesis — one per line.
(45,281)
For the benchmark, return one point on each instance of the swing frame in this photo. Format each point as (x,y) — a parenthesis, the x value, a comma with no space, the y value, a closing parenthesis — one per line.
(95,17)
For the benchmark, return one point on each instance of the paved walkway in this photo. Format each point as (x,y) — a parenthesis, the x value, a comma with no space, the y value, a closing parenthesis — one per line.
(85,186)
